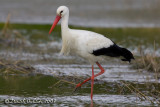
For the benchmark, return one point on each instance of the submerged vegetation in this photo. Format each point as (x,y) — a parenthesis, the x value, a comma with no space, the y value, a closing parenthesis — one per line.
(18,67)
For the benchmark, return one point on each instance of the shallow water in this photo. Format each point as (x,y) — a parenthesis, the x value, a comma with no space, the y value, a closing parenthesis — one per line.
(56,76)
(113,72)
(73,69)
(41,88)
(99,100)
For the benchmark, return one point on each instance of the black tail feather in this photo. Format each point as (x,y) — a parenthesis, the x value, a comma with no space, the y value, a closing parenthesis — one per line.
(114,51)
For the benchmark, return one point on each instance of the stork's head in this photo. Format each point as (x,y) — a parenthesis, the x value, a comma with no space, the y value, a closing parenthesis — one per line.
(61,12)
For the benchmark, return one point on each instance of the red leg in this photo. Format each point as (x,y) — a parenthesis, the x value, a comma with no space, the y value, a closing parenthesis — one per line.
(92,83)
(102,71)
(91,105)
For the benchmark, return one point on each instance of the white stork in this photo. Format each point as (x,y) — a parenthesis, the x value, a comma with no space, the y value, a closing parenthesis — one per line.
(89,45)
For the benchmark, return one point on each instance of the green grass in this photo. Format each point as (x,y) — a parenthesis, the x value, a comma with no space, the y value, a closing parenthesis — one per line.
(123,36)
(110,32)
(105,31)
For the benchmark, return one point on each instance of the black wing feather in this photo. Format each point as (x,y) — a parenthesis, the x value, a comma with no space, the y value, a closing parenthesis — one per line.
(114,51)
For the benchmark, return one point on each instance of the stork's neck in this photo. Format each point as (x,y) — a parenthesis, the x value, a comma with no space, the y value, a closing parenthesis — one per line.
(64,23)
(65,35)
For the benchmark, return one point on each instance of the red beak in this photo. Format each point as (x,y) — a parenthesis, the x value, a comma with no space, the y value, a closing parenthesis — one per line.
(55,23)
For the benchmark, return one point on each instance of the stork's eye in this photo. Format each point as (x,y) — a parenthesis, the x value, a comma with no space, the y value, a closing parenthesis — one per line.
(61,12)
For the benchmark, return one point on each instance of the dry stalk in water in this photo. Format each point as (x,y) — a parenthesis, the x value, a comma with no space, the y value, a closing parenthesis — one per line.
(140,94)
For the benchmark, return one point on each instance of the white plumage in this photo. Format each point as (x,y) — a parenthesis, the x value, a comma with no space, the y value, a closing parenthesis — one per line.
(83,43)
(80,42)
(92,46)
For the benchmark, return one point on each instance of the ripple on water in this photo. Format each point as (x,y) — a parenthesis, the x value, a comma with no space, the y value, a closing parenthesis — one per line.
(84,100)
(113,73)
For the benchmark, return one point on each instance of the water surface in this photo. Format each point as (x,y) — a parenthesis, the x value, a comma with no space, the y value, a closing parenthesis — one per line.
(55,76)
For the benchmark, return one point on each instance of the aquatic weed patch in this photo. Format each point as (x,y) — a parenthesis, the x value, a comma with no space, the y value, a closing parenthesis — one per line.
(17,67)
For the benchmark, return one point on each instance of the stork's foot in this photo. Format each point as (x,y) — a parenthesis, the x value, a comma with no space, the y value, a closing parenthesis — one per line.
(78,86)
